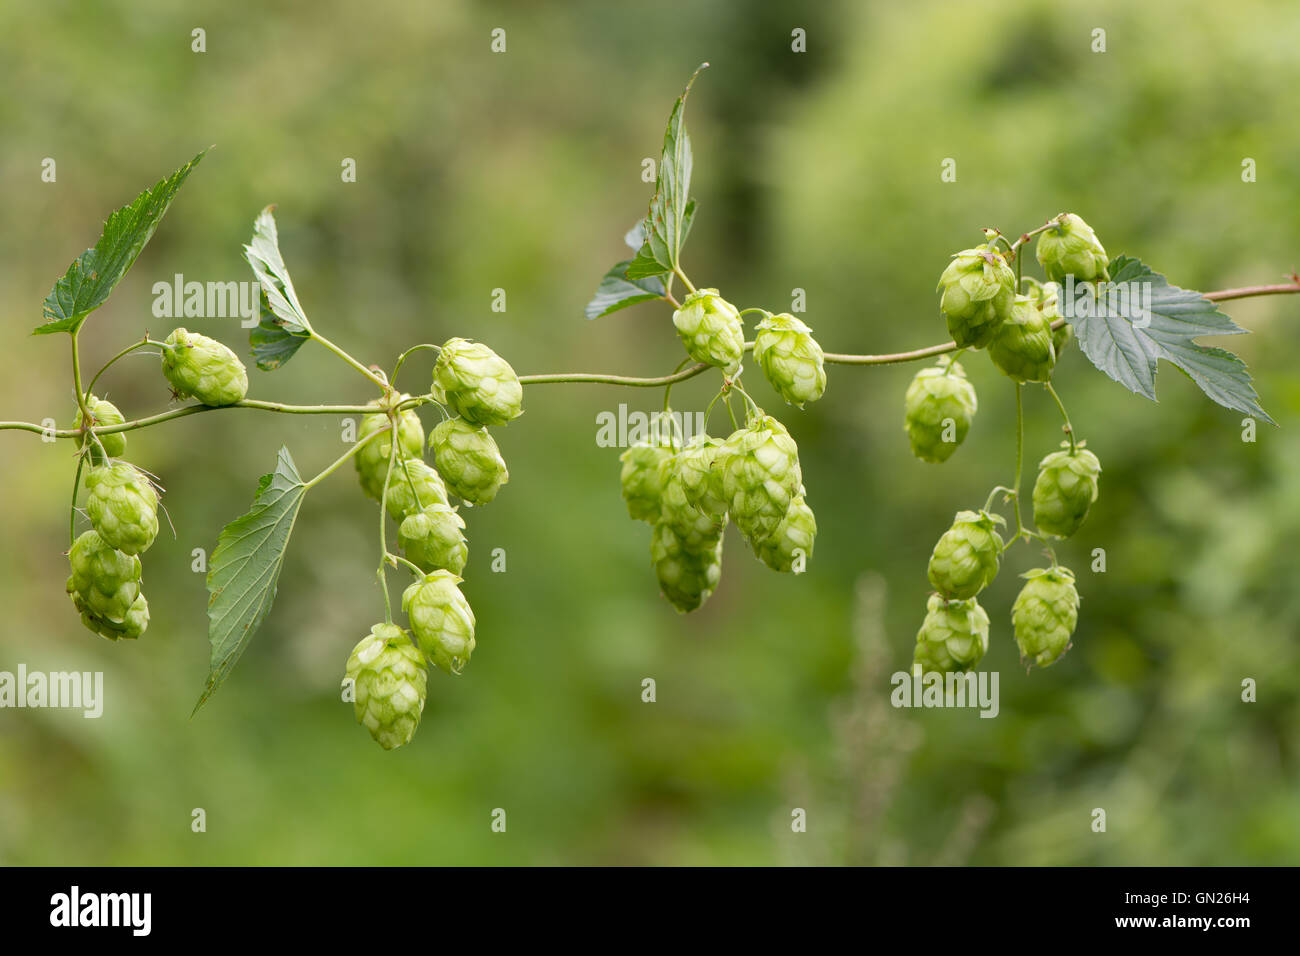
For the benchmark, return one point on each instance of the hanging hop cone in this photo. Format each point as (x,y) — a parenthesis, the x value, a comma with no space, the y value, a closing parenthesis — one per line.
(1022,347)
(469,460)
(965,559)
(1072,248)
(953,637)
(135,623)
(699,469)
(432,540)
(103,413)
(697,528)
(389,681)
(760,476)
(413,486)
(1044,615)
(790,358)
(1065,490)
(1047,298)
(790,546)
(640,479)
(938,409)
(123,506)
(479,385)
(372,460)
(441,619)
(106,581)
(687,574)
(978,287)
(710,328)
(201,367)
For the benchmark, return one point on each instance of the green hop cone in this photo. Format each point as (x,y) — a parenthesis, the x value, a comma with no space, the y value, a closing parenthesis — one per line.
(699,469)
(469,460)
(641,479)
(1022,347)
(135,623)
(697,529)
(1044,615)
(441,619)
(102,413)
(687,574)
(938,409)
(431,539)
(203,368)
(123,506)
(760,476)
(1065,490)
(790,358)
(389,681)
(372,460)
(965,559)
(478,384)
(978,287)
(1071,248)
(790,546)
(710,328)
(413,486)
(953,637)
(106,581)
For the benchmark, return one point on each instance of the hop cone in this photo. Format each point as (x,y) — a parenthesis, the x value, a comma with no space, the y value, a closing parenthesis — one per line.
(795,533)
(710,328)
(939,407)
(687,573)
(137,619)
(698,529)
(699,469)
(953,637)
(641,479)
(413,486)
(965,560)
(469,460)
(978,287)
(441,619)
(1072,248)
(760,476)
(431,538)
(203,368)
(1044,615)
(123,506)
(790,358)
(103,413)
(1065,490)
(389,679)
(1022,347)
(478,384)
(106,581)
(1047,298)
(372,460)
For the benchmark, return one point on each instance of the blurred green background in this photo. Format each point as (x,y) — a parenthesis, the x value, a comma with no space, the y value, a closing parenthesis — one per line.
(521,171)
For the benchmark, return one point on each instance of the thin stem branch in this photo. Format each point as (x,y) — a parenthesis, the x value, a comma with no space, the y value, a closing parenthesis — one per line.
(1020,453)
(1069,429)
(90,389)
(402,358)
(72,511)
(76,383)
(368,373)
(356,447)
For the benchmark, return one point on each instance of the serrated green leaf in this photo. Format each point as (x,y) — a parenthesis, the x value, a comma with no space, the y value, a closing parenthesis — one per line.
(618,291)
(1128,351)
(283,326)
(245,569)
(635,237)
(647,262)
(667,223)
(97,271)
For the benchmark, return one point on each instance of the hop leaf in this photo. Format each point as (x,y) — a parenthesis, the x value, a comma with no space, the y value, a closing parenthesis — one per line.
(1044,615)
(389,679)
(201,367)
(965,559)
(123,506)
(938,409)
(441,619)
(953,637)
(791,359)
(469,460)
(1065,490)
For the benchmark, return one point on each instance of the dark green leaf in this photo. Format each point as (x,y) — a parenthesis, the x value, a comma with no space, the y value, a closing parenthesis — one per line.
(1128,351)
(617,291)
(273,344)
(283,326)
(667,222)
(96,272)
(245,569)
(647,262)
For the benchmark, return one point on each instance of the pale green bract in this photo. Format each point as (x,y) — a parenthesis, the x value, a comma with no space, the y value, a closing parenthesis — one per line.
(389,680)
(203,368)
(965,559)
(1045,614)
(468,460)
(710,328)
(476,383)
(106,581)
(790,358)
(123,506)
(441,619)
(953,637)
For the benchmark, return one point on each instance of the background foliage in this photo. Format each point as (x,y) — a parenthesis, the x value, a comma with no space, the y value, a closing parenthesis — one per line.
(521,171)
